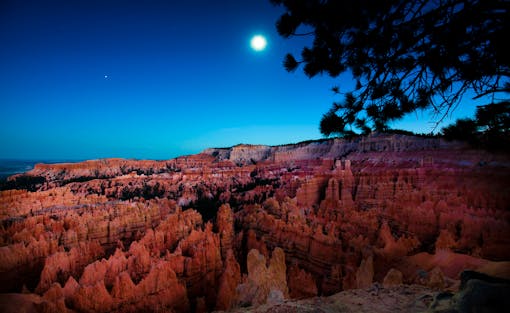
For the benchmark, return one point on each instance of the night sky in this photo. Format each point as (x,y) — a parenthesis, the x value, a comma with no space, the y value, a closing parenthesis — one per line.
(85,79)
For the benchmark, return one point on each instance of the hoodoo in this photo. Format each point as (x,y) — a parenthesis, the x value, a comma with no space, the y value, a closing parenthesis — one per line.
(255,226)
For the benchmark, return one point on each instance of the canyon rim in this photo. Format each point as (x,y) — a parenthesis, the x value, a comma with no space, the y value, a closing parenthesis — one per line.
(327,225)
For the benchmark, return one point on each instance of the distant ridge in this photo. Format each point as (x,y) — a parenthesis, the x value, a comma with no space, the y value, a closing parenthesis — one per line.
(332,148)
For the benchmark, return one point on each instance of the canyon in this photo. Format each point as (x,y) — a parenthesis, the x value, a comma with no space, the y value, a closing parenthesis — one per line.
(254,226)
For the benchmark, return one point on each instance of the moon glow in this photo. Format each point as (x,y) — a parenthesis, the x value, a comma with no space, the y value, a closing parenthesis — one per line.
(258,43)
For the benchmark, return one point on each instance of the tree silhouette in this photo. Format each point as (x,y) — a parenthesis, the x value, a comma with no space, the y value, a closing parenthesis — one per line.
(403,54)
(490,129)
(493,121)
(494,117)
(463,129)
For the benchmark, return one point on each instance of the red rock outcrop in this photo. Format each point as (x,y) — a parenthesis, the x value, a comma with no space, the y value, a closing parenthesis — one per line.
(301,283)
(392,278)
(263,281)
(60,266)
(365,273)
(230,278)
(177,234)
(225,224)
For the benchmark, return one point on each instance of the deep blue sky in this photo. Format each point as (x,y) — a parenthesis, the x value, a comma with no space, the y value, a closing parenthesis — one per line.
(181,77)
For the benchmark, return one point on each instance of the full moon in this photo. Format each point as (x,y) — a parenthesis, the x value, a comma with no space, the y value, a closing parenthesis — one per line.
(258,43)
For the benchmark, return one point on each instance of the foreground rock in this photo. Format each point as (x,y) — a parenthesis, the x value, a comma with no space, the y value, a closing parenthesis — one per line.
(478,293)
(409,298)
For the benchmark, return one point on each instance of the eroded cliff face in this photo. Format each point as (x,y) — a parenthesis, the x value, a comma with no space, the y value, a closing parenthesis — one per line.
(253,224)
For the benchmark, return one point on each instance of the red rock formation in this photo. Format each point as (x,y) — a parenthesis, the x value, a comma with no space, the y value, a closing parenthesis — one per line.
(160,289)
(55,295)
(365,273)
(262,280)
(309,193)
(202,264)
(394,249)
(392,278)
(252,242)
(92,298)
(225,224)
(344,212)
(436,279)
(301,283)
(139,261)
(231,277)
(123,289)
(60,266)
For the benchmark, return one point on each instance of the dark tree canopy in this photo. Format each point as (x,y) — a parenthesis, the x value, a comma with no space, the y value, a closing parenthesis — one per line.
(404,54)
(464,129)
(490,129)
